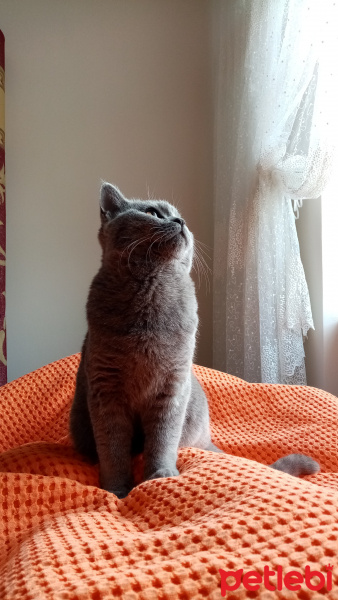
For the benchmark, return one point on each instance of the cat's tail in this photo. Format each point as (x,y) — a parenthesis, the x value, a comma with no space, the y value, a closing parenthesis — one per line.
(297,465)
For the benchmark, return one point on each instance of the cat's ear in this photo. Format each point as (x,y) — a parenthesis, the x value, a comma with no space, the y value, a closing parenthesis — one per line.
(111,201)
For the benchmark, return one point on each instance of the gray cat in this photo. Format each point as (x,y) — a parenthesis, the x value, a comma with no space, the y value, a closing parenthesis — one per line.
(135,389)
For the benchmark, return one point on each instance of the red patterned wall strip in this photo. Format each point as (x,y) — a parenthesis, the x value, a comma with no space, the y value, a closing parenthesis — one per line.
(3,360)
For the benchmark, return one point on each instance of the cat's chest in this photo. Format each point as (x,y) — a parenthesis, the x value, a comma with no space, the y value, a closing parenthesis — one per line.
(148,322)
(155,308)
(163,316)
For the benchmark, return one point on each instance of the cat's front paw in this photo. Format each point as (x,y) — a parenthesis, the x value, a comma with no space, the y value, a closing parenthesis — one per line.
(165,472)
(121,489)
(121,493)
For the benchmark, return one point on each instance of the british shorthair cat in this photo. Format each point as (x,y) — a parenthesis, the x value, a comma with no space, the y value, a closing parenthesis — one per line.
(135,389)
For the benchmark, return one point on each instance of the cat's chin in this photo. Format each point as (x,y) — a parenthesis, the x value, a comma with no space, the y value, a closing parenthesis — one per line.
(172,251)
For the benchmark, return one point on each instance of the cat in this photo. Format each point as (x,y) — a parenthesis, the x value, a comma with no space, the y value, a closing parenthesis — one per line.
(135,388)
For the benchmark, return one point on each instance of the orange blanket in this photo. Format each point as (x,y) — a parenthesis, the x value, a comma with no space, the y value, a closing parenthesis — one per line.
(226,526)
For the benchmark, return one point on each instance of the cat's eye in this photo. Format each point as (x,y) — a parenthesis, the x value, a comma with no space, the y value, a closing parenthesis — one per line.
(153,212)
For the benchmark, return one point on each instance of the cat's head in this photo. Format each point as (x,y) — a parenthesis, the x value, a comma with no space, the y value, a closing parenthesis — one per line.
(146,232)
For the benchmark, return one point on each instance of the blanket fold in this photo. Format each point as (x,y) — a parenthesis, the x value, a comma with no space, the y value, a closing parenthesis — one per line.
(192,536)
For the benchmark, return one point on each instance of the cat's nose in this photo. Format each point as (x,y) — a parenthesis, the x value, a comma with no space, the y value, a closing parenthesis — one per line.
(180,221)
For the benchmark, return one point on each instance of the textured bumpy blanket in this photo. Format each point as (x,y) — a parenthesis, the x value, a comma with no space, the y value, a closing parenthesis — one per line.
(228,525)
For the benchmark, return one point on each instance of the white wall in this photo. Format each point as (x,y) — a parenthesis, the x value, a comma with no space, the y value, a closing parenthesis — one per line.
(317,230)
(309,231)
(115,89)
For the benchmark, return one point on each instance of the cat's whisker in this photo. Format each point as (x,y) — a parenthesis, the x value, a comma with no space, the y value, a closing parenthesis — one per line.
(138,242)
(203,244)
(202,260)
(145,239)
(132,247)
(151,245)
(150,195)
(206,271)
(163,238)
(134,242)
(166,238)
(197,269)
(202,247)
(202,254)
(201,267)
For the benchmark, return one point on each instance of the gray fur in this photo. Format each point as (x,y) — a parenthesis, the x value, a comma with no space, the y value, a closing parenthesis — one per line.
(297,465)
(135,389)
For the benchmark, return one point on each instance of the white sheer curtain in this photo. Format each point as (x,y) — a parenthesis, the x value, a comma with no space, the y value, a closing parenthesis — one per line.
(273,149)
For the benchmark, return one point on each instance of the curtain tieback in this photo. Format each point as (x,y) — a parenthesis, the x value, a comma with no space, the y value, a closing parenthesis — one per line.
(285,175)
